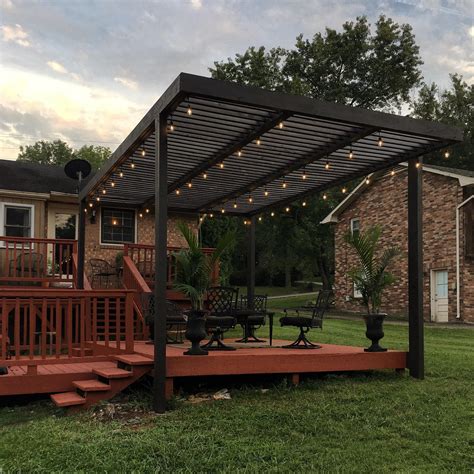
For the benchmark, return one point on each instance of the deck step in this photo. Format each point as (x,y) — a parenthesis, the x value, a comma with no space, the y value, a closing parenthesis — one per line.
(134,359)
(92,385)
(112,373)
(67,399)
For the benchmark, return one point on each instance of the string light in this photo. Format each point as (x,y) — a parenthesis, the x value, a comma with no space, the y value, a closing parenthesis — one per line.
(260,219)
(132,165)
(327,165)
(250,199)
(265,192)
(178,192)
(147,211)
(235,204)
(259,141)
(418,164)
(190,185)
(222,210)
(380,141)
(121,173)
(367,180)
(211,215)
(170,126)
(392,173)
(239,153)
(85,210)
(112,183)
(204,175)
(272,214)
(104,191)
(143,152)
(97,198)
(284,185)
(351,154)
(287,209)
(325,196)
(221,165)
(344,190)
(201,219)
(446,154)
(91,205)
(140,215)
(303,203)
(190,110)
(304,173)
(114,222)
(280,125)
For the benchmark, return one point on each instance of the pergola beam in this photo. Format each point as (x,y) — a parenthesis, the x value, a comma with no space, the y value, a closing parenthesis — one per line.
(292,166)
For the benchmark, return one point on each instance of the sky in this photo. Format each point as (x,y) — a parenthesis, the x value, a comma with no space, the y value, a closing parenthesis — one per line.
(86,71)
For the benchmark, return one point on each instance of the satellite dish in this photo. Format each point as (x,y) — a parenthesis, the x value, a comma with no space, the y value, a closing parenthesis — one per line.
(78,170)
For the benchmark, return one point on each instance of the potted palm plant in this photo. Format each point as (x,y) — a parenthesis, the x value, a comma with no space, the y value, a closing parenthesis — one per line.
(371,278)
(193,278)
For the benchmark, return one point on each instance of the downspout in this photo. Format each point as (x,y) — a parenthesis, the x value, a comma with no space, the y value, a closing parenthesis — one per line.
(458,271)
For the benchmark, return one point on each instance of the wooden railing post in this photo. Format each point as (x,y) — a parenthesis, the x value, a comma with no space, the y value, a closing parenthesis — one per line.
(129,333)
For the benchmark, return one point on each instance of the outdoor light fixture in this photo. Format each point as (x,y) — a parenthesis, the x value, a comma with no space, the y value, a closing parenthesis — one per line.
(91,205)
(85,210)
(351,154)
(140,215)
(260,219)
(446,154)
(97,198)
(380,140)
(418,164)
(211,215)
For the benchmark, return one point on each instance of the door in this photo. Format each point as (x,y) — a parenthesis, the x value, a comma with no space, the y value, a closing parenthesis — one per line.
(64,228)
(439,298)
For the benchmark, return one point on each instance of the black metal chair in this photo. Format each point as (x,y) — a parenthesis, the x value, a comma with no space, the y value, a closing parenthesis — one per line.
(306,318)
(252,318)
(222,306)
(27,265)
(176,318)
(102,272)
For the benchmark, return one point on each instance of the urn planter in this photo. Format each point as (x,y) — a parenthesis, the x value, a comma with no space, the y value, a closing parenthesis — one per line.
(196,332)
(374,331)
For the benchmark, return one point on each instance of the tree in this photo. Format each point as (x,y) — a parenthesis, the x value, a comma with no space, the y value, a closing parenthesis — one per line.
(59,153)
(453,106)
(355,66)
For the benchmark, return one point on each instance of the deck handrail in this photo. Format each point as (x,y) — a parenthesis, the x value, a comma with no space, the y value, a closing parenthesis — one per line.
(64,323)
(35,260)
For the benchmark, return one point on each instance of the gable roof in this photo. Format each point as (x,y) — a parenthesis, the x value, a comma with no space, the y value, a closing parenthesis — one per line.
(25,176)
(465,178)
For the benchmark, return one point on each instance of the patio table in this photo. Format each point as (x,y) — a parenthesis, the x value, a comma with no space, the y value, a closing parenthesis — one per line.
(244,314)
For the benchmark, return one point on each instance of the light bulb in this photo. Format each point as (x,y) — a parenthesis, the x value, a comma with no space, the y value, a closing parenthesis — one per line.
(239,153)
(112,183)
(327,165)
(190,185)
(258,141)
(250,199)
(284,185)
(344,190)
(446,154)
(222,210)
(114,222)
(259,219)
(418,164)
(351,154)
(280,125)
(204,175)
(325,196)
(177,192)
(211,215)
(140,215)
(143,152)
(367,181)
(392,173)
(304,174)
(97,198)
(304,203)
(272,214)
(132,165)
(104,191)
(91,205)
(147,210)
(190,110)
(266,193)
(380,141)
(221,165)
(235,205)
(121,173)
(287,209)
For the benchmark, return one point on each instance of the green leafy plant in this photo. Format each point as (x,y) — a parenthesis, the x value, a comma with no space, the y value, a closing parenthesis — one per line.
(371,276)
(194,267)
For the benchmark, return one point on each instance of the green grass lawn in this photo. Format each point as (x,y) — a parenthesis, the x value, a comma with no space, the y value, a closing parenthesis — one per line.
(369,422)
(274,290)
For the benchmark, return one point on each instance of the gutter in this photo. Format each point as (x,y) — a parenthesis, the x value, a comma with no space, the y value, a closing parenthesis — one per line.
(458,271)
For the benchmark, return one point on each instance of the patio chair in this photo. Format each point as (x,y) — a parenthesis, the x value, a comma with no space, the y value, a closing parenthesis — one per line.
(250,322)
(101,271)
(306,318)
(27,265)
(222,306)
(176,318)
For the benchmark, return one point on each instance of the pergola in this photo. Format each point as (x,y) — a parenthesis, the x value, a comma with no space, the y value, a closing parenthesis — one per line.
(214,147)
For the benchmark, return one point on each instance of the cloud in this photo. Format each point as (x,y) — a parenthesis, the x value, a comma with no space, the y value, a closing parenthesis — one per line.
(55,66)
(196,4)
(16,34)
(126,82)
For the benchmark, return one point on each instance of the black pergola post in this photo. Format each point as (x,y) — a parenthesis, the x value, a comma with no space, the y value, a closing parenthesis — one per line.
(161,218)
(416,363)
(251,263)
(81,244)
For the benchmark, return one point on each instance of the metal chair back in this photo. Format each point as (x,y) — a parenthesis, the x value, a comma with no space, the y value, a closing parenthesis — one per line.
(222,300)
(320,308)
(259,303)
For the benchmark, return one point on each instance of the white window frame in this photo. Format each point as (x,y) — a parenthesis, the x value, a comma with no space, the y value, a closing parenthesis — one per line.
(4,205)
(355,292)
(107,244)
(355,219)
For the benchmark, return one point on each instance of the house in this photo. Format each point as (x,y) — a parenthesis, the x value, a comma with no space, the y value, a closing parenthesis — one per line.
(448,215)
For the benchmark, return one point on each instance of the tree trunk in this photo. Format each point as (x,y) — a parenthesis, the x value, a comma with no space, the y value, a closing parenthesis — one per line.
(323,266)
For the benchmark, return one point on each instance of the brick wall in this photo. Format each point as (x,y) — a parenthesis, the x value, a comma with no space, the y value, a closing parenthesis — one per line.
(385,203)
(145,235)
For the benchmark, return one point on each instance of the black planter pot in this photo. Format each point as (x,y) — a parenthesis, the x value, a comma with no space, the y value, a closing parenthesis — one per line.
(374,331)
(196,332)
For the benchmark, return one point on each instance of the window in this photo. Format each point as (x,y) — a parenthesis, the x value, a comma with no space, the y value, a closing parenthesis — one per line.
(17,220)
(355,226)
(117,226)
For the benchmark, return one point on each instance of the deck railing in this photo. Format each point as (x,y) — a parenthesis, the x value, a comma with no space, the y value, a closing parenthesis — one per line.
(143,256)
(39,324)
(36,261)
